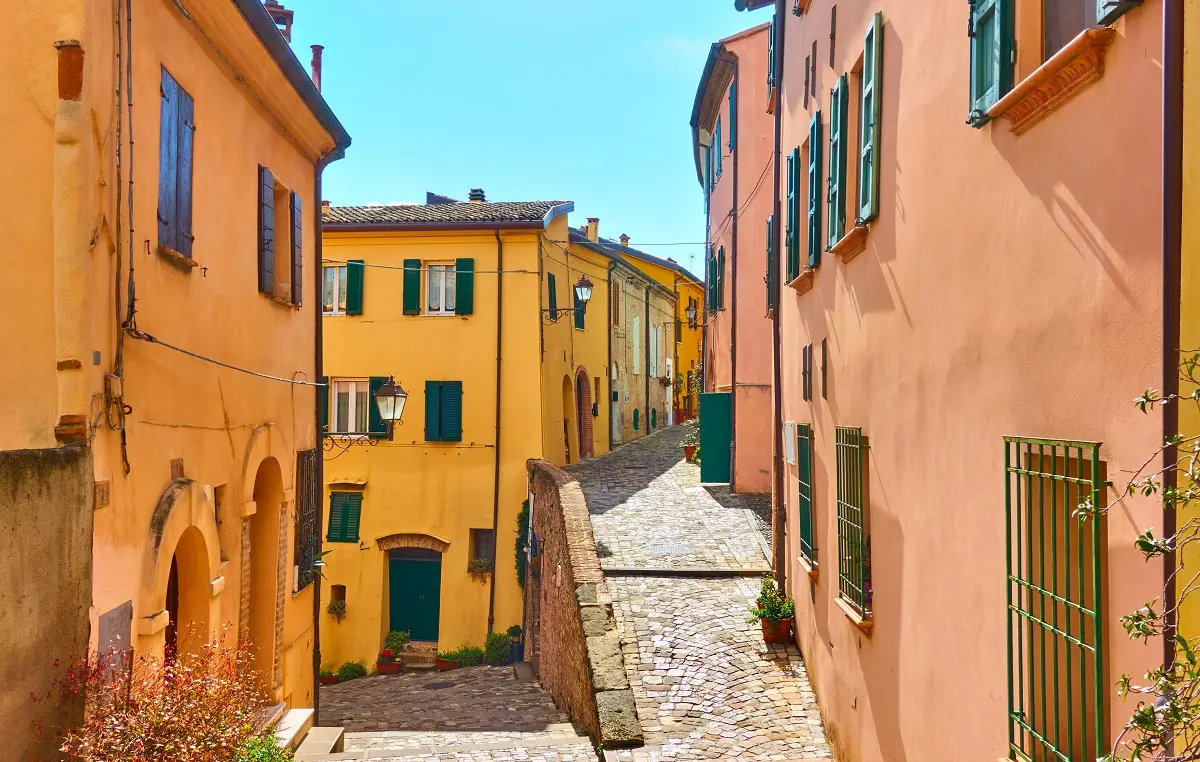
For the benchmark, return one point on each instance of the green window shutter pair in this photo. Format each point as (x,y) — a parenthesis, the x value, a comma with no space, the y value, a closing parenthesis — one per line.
(552,293)
(345,512)
(354,287)
(323,394)
(793,210)
(732,114)
(443,411)
(580,308)
(870,111)
(814,190)
(771,266)
(376,428)
(838,112)
(720,295)
(992,55)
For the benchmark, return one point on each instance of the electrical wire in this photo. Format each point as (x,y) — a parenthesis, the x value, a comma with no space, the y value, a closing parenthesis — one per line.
(143,336)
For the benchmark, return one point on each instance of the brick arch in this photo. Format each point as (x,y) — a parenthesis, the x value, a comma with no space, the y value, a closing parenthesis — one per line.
(426,541)
(583,402)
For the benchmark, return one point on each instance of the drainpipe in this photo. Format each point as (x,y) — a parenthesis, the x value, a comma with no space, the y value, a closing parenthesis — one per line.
(611,380)
(1172,237)
(646,369)
(779,519)
(496,469)
(733,308)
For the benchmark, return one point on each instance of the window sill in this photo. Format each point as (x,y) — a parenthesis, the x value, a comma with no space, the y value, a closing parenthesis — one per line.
(187,264)
(347,485)
(800,6)
(867,625)
(803,282)
(1068,71)
(852,244)
(771,99)
(281,302)
(813,572)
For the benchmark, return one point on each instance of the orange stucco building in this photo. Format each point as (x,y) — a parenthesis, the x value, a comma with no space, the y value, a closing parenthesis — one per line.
(969,296)
(732,141)
(162,222)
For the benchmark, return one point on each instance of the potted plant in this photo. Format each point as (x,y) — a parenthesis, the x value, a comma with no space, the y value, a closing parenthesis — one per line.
(775,612)
(387,664)
(351,670)
(397,641)
(516,648)
(445,660)
(336,609)
(328,678)
(691,440)
(479,569)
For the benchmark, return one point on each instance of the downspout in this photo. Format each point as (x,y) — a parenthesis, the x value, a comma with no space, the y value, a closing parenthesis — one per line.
(733,307)
(779,519)
(608,371)
(1172,238)
(496,469)
(707,295)
(646,368)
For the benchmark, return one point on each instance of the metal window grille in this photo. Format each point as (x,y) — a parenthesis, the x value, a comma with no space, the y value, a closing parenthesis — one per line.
(854,564)
(1056,682)
(308,524)
(804,469)
(483,544)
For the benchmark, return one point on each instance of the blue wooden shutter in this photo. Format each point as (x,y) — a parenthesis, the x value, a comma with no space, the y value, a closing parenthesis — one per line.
(266,231)
(552,294)
(168,162)
(451,411)
(412,287)
(337,517)
(869,113)
(433,411)
(838,110)
(297,251)
(732,115)
(992,49)
(376,428)
(464,286)
(353,514)
(355,273)
(323,393)
(815,148)
(183,175)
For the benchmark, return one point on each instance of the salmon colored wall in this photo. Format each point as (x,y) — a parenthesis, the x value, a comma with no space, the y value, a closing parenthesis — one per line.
(1010,286)
(438,489)
(63,229)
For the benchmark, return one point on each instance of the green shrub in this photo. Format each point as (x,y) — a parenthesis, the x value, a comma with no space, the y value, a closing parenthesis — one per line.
(264,748)
(336,609)
(396,641)
(514,632)
(497,650)
(469,656)
(772,605)
(326,673)
(351,670)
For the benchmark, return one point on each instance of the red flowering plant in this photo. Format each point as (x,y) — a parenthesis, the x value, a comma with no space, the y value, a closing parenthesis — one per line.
(387,656)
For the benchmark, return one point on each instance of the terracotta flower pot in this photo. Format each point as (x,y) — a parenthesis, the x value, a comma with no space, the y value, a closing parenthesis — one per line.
(445,665)
(688,452)
(388,667)
(331,680)
(779,631)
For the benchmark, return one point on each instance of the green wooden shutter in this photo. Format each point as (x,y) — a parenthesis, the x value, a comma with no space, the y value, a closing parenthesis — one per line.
(1108,11)
(771,57)
(580,308)
(433,411)
(869,113)
(838,111)
(710,279)
(337,517)
(721,277)
(354,287)
(451,411)
(412,287)
(992,54)
(793,258)
(732,114)
(635,419)
(552,289)
(464,286)
(323,393)
(376,428)
(815,148)
(717,148)
(771,265)
(353,516)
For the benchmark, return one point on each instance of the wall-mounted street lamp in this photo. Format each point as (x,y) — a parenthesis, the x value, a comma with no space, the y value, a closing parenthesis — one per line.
(583,294)
(390,399)
(690,312)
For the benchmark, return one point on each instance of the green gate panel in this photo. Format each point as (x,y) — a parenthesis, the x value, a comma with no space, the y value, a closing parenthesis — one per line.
(415,587)
(716,436)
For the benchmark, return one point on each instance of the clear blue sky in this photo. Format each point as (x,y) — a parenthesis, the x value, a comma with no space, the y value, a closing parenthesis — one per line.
(527,99)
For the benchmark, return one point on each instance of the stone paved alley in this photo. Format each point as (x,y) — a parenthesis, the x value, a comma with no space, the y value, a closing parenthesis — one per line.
(683,564)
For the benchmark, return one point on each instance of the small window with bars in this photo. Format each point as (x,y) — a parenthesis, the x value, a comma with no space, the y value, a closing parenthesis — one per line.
(483,545)
(853,525)
(308,497)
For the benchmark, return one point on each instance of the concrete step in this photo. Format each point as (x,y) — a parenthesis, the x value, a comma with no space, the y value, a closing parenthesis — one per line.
(379,746)
(321,742)
(292,726)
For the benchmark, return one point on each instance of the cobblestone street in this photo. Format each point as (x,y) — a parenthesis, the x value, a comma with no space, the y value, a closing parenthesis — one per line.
(681,561)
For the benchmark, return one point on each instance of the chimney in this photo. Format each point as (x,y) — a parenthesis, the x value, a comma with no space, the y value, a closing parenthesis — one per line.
(316,65)
(324,205)
(593,229)
(281,16)
(624,240)
(477,196)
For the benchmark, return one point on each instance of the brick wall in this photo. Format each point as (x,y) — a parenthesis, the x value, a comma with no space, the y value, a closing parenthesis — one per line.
(569,620)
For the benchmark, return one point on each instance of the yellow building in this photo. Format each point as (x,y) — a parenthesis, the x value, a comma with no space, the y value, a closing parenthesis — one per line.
(471,308)
(167,260)
(689,332)
(1189,323)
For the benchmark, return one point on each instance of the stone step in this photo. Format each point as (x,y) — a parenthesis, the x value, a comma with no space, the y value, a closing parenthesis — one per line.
(402,746)
(293,726)
(320,741)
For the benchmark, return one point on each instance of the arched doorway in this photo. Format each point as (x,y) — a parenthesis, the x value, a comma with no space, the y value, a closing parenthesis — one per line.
(264,570)
(615,405)
(583,413)
(187,599)
(568,408)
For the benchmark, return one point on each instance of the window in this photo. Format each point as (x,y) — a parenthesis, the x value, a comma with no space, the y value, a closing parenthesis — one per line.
(655,349)
(333,290)
(869,114)
(832,36)
(308,498)
(854,544)
(177,130)
(814,185)
(806,372)
(807,78)
(717,148)
(279,240)
(345,510)
(1063,20)
(793,211)
(824,369)
(351,407)
(813,78)
(804,471)
(837,159)
(552,295)
(992,48)
(443,411)
(636,330)
(771,264)
(483,545)
(771,61)
(439,289)
(720,294)
(616,303)
(678,331)
(732,114)
(1055,581)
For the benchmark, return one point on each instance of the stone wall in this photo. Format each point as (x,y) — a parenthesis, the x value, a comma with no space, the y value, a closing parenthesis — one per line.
(45,591)
(569,618)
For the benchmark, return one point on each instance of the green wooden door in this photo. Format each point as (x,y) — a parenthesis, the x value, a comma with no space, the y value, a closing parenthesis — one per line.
(415,586)
(716,435)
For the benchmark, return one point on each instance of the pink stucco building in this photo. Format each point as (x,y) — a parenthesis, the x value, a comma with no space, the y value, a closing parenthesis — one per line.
(970,296)
(732,136)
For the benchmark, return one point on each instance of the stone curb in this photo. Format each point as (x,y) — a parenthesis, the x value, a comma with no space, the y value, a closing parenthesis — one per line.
(697,572)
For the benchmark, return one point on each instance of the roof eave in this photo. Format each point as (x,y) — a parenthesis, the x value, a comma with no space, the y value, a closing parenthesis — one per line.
(717,54)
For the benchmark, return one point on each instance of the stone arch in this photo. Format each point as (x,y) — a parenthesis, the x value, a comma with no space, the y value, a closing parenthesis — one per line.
(266,566)
(265,442)
(568,411)
(583,413)
(426,541)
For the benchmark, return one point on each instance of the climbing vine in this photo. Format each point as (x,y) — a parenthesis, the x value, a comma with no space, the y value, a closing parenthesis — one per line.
(522,541)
